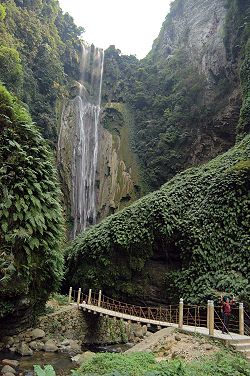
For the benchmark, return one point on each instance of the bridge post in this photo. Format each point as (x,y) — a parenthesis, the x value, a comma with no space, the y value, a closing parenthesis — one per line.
(89,297)
(70,295)
(79,296)
(99,298)
(180,326)
(208,311)
(211,318)
(241,319)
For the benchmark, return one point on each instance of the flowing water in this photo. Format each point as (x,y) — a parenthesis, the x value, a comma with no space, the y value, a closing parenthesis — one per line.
(85,139)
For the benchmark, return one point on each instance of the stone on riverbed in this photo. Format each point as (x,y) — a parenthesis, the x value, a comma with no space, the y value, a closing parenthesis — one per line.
(37,333)
(24,350)
(8,369)
(50,346)
(36,345)
(81,358)
(10,362)
(70,346)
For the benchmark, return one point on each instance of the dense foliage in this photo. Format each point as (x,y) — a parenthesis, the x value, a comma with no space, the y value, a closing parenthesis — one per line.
(201,217)
(30,214)
(39,56)
(144,364)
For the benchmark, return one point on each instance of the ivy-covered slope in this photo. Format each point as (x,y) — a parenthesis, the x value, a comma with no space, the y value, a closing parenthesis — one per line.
(198,223)
(39,56)
(31,222)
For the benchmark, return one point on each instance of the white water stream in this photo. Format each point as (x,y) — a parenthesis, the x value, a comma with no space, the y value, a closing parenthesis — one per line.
(85,140)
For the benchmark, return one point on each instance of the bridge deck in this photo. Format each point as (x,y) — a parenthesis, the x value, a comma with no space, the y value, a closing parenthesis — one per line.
(186,328)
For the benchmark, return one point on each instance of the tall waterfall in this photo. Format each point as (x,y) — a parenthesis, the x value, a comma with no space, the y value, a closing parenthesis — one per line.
(84,138)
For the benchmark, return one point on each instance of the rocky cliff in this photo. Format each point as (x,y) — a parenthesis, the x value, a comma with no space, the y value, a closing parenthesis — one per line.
(186,94)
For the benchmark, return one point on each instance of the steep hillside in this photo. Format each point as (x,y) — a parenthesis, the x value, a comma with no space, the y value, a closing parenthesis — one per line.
(189,239)
(186,95)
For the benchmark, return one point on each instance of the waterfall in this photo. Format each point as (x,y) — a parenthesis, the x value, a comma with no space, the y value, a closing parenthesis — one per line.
(87,106)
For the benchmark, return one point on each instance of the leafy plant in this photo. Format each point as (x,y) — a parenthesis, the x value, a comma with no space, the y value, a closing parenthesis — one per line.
(47,370)
(31,230)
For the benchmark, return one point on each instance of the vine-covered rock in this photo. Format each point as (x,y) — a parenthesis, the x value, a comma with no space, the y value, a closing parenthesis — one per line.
(30,215)
(197,225)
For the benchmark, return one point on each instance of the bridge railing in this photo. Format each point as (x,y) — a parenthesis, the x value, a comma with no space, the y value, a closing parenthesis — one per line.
(208,316)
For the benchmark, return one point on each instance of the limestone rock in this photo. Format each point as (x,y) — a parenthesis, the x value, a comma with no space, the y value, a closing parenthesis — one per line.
(24,350)
(50,346)
(7,369)
(81,358)
(36,345)
(10,362)
(37,333)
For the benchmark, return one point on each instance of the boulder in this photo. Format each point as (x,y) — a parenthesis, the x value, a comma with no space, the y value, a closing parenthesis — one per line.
(84,357)
(7,369)
(37,333)
(23,349)
(36,345)
(10,362)
(8,341)
(70,346)
(50,346)
(9,374)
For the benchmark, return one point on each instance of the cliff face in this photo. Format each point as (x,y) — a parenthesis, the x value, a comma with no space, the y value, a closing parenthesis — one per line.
(186,94)
(197,27)
(119,180)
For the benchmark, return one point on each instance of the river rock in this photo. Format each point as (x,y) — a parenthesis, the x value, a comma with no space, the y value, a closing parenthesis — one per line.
(70,346)
(8,342)
(7,369)
(138,331)
(37,333)
(10,362)
(24,350)
(81,358)
(50,346)
(177,337)
(36,345)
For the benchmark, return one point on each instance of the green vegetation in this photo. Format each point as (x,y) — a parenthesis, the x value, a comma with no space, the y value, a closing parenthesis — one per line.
(48,370)
(31,218)
(39,56)
(199,219)
(144,364)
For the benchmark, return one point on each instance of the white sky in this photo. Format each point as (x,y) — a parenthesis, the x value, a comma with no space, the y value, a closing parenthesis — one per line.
(130,25)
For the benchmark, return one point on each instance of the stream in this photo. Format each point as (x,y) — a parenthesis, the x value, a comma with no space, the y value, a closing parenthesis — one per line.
(61,362)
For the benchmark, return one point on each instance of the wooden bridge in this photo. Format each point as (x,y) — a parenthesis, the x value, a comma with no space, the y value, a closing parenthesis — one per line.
(205,320)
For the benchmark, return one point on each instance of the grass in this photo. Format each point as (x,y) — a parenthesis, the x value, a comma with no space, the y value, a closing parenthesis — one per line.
(223,363)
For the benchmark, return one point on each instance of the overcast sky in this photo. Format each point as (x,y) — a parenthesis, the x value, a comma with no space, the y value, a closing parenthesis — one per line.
(131,25)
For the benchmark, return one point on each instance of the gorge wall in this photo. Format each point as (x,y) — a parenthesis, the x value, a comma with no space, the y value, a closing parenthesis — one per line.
(186,94)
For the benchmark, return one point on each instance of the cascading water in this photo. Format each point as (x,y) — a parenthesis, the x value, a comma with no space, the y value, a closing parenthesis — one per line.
(87,106)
